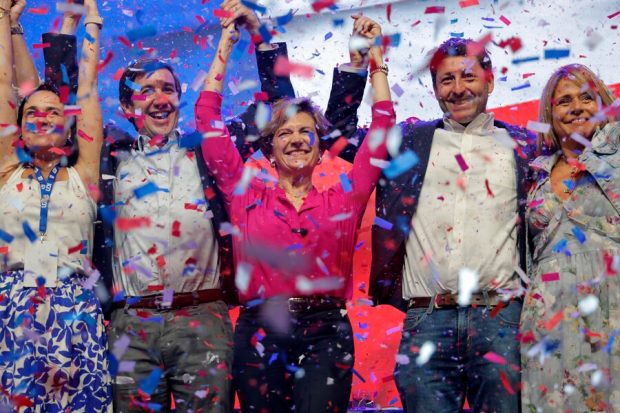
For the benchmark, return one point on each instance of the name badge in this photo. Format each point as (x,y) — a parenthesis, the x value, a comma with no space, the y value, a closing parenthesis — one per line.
(41,262)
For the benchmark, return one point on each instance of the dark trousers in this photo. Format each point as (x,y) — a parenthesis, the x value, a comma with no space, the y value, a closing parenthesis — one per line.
(305,369)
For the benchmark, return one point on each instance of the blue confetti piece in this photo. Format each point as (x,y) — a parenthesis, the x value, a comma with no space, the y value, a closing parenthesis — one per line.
(282,20)
(521,87)
(360,337)
(488,19)
(345,182)
(108,214)
(240,49)
(525,60)
(138,15)
(190,140)
(557,53)
(359,245)
(65,74)
(141,33)
(400,164)
(561,248)
(492,27)
(254,6)
(338,22)
(264,32)
(380,222)
(328,35)
(569,184)
(149,384)
(90,38)
(393,401)
(29,232)
(459,35)
(6,237)
(84,249)
(312,138)
(503,79)
(274,357)
(119,296)
(578,233)
(454,21)
(132,85)
(320,71)
(359,376)
(294,247)
(147,189)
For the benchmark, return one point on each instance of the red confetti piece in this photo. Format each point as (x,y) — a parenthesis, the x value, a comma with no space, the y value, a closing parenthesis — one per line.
(475,48)
(388,11)
(118,74)
(505,20)
(514,43)
(497,309)
(76,248)
(416,23)
(550,325)
(124,41)
(138,97)
(105,62)
(161,261)
(461,161)
(209,193)
(494,358)
(504,377)
(550,276)
(127,224)
(261,96)
(283,67)
(155,287)
(176,229)
(152,250)
(19,186)
(58,151)
(611,16)
(4,251)
(468,3)
(526,75)
(85,136)
(201,19)
(222,14)
(435,10)
(38,10)
(191,207)
(489,192)
(338,146)
(40,45)
(319,5)
(73,112)
(173,54)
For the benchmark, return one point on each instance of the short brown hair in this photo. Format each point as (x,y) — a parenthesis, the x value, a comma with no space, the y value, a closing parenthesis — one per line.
(279,117)
(456,46)
(581,75)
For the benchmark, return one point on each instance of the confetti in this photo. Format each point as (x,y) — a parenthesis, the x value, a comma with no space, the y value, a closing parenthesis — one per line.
(147,189)
(525,60)
(538,126)
(435,10)
(557,53)
(345,183)
(461,161)
(29,232)
(402,163)
(468,3)
(468,284)
(284,67)
(141,33)
(380,222)
(84,135)
(494,358)
(578,233)
(426,351)
(521,87)
(253,6)
(6,237)
(588,305)
(550,276)
(319,5)
(128,224)
(38,10)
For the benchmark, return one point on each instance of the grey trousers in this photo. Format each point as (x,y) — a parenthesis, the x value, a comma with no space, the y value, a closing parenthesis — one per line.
(185,353)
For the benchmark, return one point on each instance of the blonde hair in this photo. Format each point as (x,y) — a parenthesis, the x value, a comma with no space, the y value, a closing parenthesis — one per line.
(281,111)
(580,75)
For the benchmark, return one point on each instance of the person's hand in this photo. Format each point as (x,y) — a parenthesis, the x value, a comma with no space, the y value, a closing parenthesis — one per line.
(230,34)
(240,14)
(365,31)
(17,8)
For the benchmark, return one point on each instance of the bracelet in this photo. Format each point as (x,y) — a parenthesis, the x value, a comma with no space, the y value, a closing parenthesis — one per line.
(381,68)
(17,29)
(98,20)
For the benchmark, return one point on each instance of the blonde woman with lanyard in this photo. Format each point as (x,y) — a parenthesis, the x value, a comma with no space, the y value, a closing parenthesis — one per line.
(52,340)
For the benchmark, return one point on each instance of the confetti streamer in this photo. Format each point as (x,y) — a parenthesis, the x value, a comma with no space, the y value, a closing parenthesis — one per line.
(435,10)
(556,53)
(550,277)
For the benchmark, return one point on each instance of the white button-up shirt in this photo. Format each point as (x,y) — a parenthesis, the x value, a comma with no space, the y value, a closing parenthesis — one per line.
(178,251)
(467,212)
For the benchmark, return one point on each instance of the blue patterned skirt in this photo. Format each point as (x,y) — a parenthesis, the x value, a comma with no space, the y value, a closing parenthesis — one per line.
(53,348)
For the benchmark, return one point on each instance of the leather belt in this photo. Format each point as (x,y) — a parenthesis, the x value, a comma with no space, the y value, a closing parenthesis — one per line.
(179,300)
(450,300)
(310,304)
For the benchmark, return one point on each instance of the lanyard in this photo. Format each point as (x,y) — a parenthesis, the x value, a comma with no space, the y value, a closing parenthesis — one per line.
(46,191)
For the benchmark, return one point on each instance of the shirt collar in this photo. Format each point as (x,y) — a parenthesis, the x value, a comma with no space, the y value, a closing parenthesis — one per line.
(142,143)
(483,124)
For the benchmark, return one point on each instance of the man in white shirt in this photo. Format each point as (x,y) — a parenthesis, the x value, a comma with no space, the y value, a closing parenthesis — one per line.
(449,242)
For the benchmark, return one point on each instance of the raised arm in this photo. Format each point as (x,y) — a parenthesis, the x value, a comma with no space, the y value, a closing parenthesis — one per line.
(221,156)
(25,72)
(364,175)
(61,67)
(7,102)
(89,121)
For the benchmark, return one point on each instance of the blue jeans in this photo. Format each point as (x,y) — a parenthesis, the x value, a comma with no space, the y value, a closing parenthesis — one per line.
(458,368)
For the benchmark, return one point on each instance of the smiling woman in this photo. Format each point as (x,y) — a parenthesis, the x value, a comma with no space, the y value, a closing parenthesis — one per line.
(294,250)
(572,309)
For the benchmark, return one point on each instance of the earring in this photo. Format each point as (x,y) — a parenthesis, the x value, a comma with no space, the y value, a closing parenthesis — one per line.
(272,162)
(320,160)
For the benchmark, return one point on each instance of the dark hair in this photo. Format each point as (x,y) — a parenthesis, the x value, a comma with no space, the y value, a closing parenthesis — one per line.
(71,139)
(280,115)
(456,46)
(139,68)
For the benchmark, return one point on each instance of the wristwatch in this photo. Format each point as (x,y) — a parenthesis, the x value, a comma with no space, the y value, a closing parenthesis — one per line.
(18,29)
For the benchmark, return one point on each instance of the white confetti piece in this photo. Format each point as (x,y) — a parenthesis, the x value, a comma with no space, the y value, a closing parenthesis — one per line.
(242,278)
(538,126)
(394,139)
(588,304)
(468,284)
(263,115)
(426,351)
(402,359)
